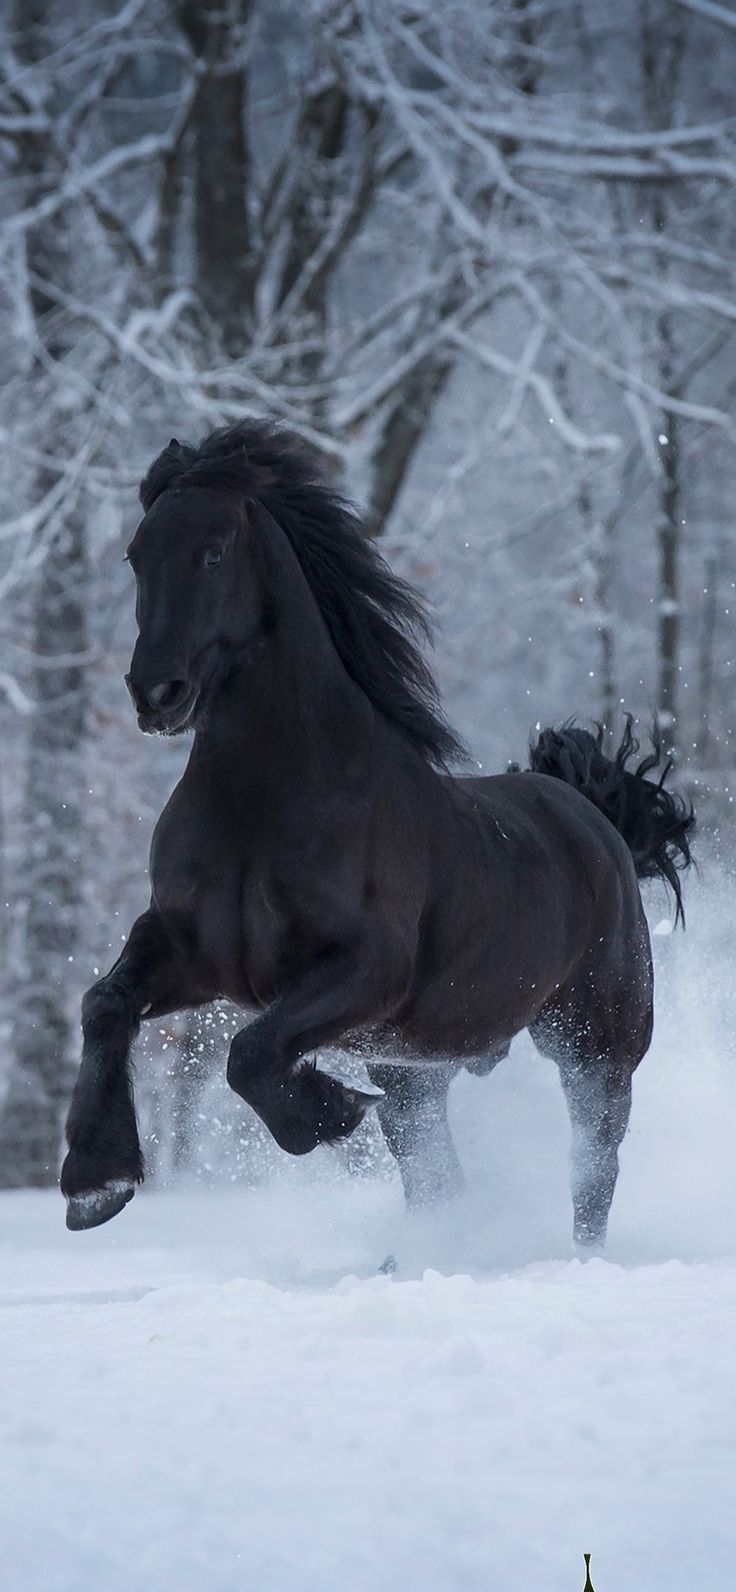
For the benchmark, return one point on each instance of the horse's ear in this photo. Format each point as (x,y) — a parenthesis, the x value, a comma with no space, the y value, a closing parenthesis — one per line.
(165,469)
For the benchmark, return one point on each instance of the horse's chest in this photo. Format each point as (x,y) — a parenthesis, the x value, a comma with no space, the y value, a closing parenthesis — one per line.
(226,913)
(198,896)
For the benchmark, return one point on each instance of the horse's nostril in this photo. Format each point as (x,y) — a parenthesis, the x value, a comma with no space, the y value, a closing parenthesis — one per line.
(168,694)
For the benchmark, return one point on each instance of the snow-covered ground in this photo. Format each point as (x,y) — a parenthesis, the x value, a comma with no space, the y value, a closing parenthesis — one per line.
(218,1392)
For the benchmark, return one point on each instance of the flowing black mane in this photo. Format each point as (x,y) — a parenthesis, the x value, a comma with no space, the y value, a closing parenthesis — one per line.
(373,617)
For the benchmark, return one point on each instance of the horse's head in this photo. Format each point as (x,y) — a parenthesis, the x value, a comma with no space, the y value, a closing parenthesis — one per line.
(197,606)
(244,539)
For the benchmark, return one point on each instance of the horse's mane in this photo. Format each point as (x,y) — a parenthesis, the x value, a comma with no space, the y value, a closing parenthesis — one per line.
(373,617)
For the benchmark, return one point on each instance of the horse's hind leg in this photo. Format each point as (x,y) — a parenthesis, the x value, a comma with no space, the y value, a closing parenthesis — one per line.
(598,1095)
(413,1118)
(597,1040)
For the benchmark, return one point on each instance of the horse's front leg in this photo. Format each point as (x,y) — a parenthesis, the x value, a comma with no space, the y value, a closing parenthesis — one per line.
(104,1161)
(300,1104)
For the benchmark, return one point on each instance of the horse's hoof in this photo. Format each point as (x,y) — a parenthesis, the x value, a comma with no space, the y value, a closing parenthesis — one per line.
(339,1103)
(589,1248)
(367,1093)
(319,1108)
(98,1206)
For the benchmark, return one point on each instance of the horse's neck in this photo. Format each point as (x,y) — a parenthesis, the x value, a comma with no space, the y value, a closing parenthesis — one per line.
(291,715)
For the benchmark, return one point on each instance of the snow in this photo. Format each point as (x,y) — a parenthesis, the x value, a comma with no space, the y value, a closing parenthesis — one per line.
(219,1391)
(205,1398)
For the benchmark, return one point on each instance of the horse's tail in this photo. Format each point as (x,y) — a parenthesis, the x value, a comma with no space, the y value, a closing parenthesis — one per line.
(656,824)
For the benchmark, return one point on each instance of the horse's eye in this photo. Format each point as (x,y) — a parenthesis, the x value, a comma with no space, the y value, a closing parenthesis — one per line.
(213,557)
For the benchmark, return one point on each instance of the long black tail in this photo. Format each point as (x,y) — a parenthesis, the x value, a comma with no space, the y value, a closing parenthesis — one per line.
(656,824)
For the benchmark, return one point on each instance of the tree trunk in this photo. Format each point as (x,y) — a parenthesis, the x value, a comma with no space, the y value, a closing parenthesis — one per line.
(599,538)
(222,242)
(705,661)
(411,411)
(401,434)
(320,140)
(329,179)
(668,616)
(662,50)
(42,1070)
(606,631)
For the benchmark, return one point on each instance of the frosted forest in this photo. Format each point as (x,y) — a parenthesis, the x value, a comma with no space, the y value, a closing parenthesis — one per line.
(479,255)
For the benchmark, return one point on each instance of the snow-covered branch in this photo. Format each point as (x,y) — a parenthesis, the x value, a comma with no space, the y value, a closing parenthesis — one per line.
(711,10)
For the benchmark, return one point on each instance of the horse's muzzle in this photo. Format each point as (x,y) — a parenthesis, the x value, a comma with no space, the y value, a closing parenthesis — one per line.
(165,707)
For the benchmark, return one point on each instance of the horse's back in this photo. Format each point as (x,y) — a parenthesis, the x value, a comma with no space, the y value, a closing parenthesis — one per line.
(587,866)
(535,811)
(548,846)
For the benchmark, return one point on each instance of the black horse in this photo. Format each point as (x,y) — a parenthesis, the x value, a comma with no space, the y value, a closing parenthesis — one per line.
(317,864)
